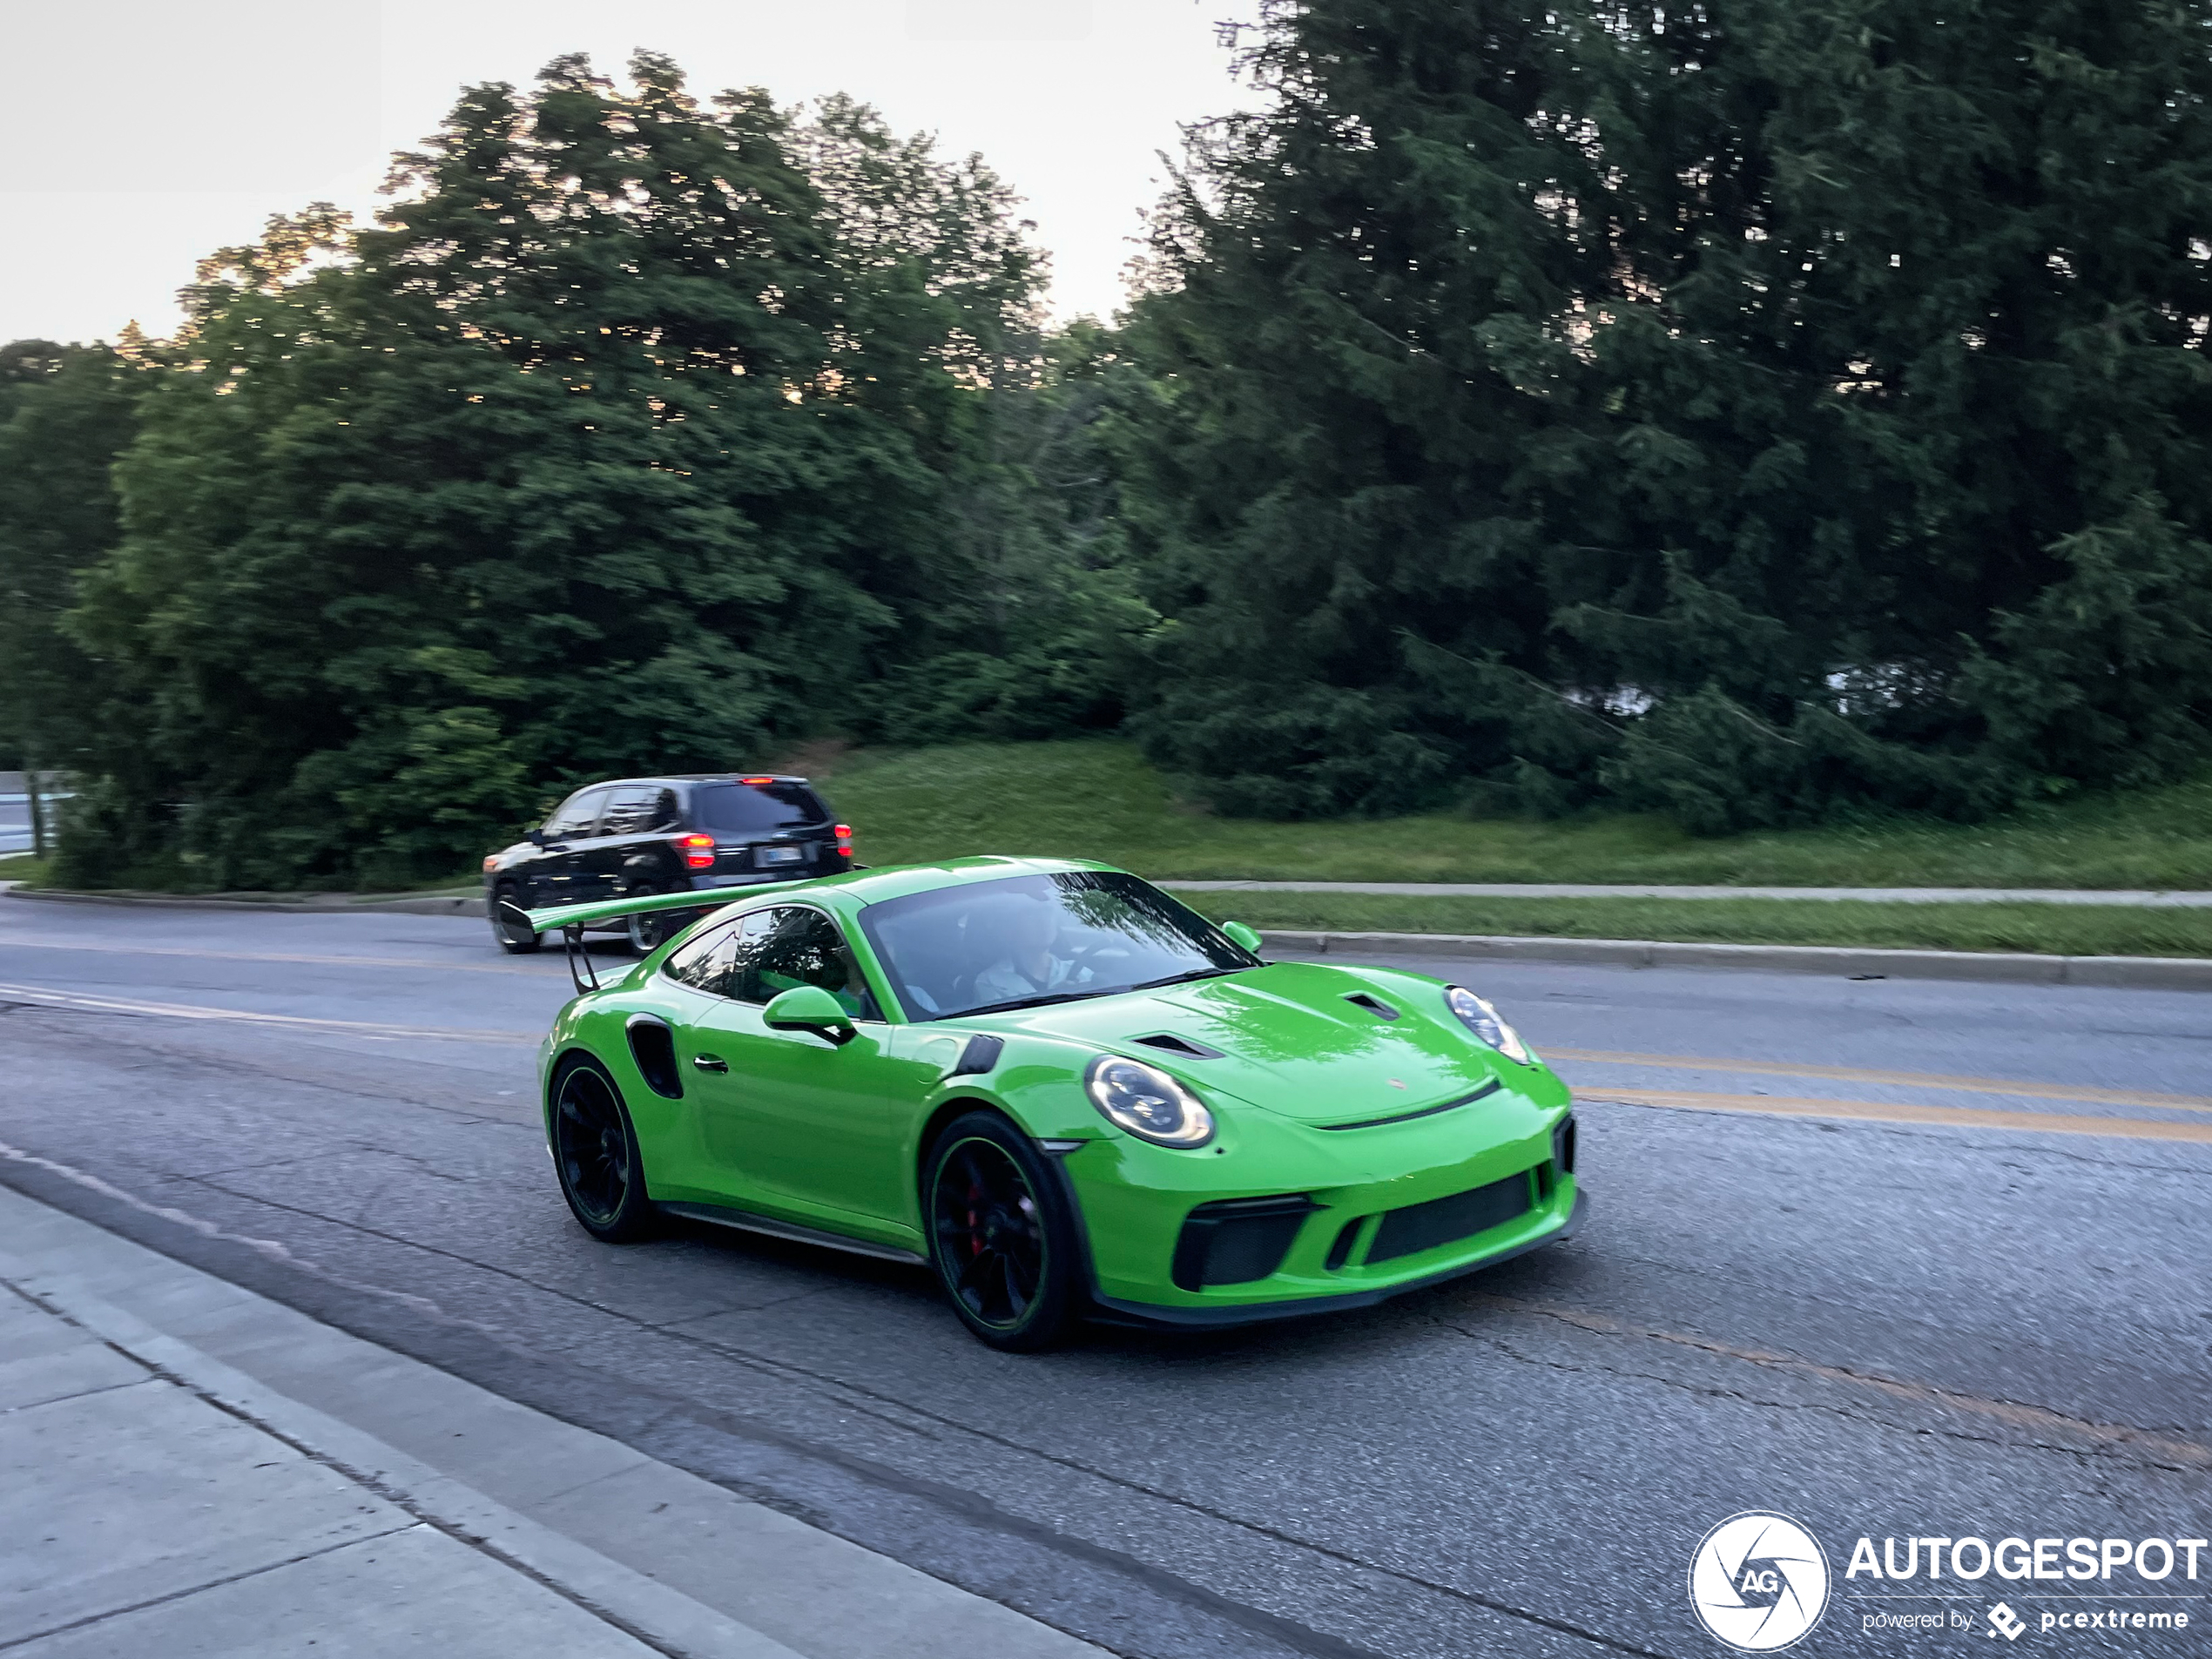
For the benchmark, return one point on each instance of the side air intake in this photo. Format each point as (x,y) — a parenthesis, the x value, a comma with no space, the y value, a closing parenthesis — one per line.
(653,1047)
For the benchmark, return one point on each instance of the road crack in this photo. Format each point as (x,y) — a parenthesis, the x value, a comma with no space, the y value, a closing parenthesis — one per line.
(2164,1449)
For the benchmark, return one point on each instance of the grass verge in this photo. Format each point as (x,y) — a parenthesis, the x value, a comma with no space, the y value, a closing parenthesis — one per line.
(2049,930)
(1100,800)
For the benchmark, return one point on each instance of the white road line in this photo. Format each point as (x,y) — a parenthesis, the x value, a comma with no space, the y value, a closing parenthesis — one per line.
(1872,1111)
(125,947)
(40,996)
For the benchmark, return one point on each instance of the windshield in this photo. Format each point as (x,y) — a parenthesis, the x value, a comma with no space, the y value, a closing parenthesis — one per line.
(1035,939)
(747,808)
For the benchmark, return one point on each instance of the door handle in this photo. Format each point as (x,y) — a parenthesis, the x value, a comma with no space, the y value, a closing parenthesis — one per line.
(709,1062)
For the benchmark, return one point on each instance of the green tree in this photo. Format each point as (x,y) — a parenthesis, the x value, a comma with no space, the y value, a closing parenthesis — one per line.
(1761,410)
(1046,631)
(605,449)
(66,411)
(1359,325)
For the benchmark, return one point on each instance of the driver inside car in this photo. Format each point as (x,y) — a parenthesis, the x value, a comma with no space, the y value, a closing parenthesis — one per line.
(1027,929)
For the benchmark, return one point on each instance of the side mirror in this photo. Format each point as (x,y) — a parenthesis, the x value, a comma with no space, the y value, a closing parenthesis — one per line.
(1239,934)
(534,836)
(809,1007)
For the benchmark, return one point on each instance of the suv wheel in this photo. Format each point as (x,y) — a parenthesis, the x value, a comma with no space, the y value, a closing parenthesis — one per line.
(650,931)
(513,934)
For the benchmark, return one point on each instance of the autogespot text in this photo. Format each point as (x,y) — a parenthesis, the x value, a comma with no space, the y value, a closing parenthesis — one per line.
(2080,1558)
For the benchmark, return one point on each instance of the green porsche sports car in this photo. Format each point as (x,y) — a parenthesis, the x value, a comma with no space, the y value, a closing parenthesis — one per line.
(1068,1094)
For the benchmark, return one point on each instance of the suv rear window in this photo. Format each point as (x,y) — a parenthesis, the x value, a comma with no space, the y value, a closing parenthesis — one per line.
(745,808)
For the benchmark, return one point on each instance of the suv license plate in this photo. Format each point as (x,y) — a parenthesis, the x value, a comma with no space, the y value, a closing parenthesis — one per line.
(780,854)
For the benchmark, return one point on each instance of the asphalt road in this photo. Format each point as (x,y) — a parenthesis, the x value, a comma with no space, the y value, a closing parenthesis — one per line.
(1894,1258)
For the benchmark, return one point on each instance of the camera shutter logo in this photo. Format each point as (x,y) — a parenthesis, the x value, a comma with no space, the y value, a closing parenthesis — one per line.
(1760,1582)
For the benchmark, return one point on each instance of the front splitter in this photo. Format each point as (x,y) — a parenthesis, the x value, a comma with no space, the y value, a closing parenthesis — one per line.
(1112,1310)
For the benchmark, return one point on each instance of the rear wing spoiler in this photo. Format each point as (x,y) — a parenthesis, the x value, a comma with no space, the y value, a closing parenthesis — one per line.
(570,919)
(564,917)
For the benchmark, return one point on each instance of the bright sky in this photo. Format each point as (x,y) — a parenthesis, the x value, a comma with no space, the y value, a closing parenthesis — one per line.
(137,135)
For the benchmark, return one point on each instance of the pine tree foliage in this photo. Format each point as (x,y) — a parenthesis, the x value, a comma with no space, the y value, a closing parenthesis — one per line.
(1757,411)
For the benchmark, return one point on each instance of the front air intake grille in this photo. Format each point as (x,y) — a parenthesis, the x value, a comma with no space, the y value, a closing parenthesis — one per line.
(1237,1240)
(1340,1252)
(1424,1226)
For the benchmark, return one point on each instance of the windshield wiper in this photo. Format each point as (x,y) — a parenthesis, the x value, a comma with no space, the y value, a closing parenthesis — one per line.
(1182,978)
(1028,1003)
(1051,997)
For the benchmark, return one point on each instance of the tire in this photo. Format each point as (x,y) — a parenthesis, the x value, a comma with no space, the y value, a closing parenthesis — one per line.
(649,932)
(594,1150)
(1000,1237)
(514,938)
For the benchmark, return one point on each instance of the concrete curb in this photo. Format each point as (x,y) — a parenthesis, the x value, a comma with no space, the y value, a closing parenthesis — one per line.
(453,905)
(2123,899)
(2124,973)
(664,1618)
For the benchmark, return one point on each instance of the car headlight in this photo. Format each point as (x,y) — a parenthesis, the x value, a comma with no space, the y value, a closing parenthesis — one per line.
(1147,1103)
(1483,1020)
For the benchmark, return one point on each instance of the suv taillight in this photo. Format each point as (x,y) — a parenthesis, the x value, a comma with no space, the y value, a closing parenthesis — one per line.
(698,851)
(844,841)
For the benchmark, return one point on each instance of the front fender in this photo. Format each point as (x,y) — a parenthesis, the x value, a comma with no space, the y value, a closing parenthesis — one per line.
(1037,1082)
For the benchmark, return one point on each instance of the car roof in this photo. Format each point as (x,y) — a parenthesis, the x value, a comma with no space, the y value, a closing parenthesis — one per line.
(694,777)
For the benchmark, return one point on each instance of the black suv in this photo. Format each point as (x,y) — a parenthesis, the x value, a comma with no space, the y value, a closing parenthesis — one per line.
(701,832)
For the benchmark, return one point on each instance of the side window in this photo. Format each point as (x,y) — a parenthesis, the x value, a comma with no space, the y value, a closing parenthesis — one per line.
(710,962)
(802,946)
(635,812)
(578,815)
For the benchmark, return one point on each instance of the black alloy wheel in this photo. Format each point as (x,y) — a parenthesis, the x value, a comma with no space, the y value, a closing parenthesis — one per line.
(596,1151)
(513,932)
(999,1235)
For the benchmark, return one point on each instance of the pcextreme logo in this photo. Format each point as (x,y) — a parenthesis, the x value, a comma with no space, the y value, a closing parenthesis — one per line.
(1760,1582)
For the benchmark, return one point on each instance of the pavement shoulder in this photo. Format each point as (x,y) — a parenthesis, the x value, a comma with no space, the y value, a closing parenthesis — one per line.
(325,904)
(2126,898)
(2121,973)
(283,1443)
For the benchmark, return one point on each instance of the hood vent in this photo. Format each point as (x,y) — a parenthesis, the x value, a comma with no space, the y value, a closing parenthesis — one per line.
(1173,1044)
(978,1057)
(1374,1005)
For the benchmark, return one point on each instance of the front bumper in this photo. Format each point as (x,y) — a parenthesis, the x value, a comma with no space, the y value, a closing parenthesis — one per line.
(1283,1219)
(1115,1312)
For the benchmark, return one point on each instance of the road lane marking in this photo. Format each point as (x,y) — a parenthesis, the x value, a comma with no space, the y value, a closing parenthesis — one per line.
(38,995)
(1899,1079)
(124,949)
(1875,1112)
